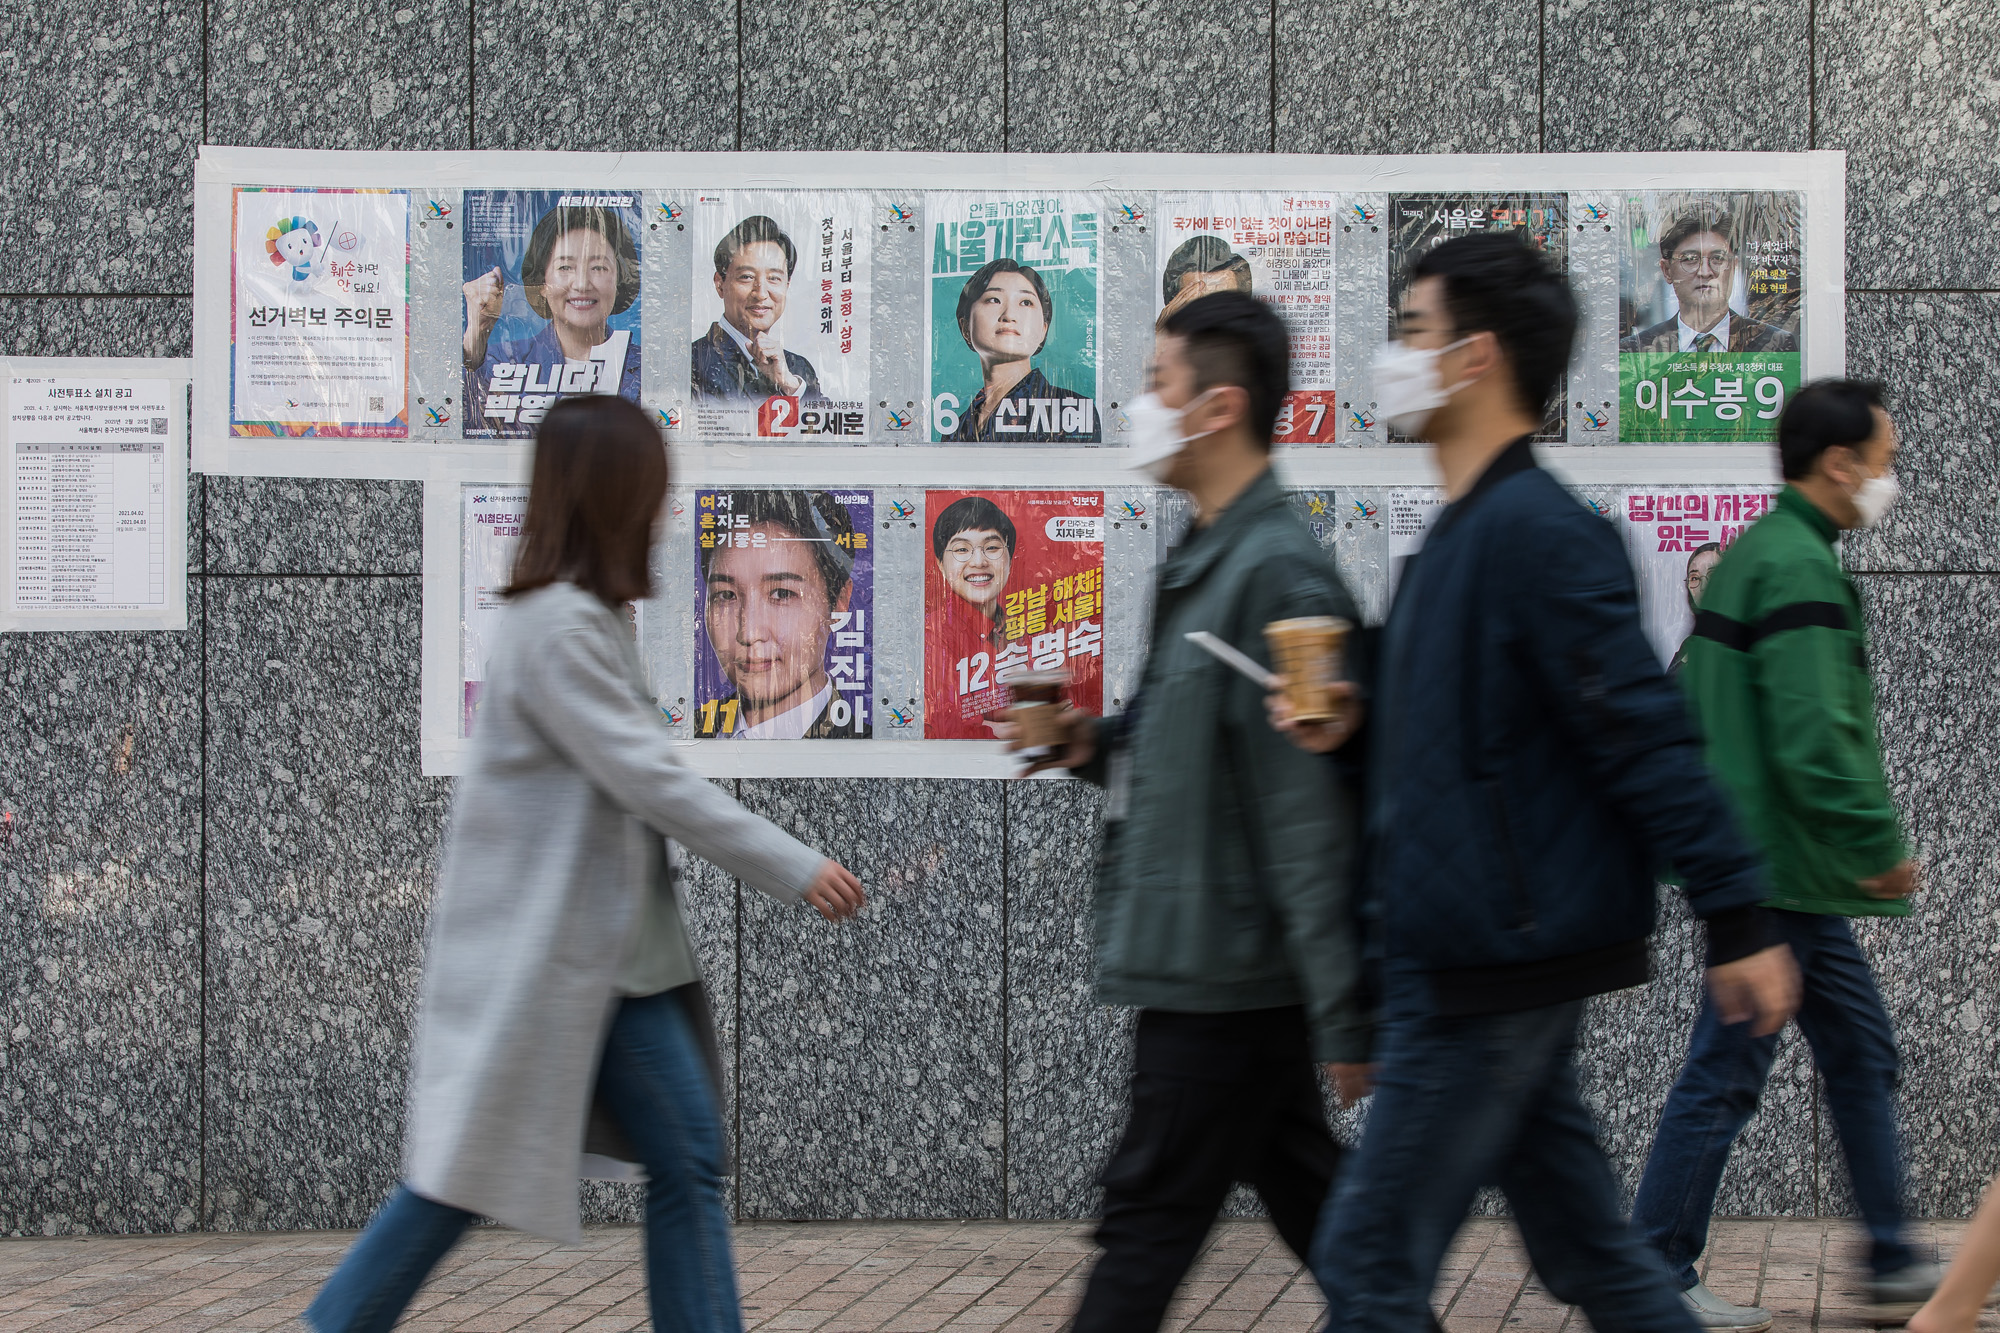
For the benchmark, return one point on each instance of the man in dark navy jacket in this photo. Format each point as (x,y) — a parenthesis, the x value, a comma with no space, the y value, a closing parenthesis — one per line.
(1530,770)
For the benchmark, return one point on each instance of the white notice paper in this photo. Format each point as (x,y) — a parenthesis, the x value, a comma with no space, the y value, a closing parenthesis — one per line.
(492,529)
(90,462)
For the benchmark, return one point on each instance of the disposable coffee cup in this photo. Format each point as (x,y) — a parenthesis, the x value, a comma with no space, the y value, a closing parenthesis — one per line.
(1038,710)
(1310,654)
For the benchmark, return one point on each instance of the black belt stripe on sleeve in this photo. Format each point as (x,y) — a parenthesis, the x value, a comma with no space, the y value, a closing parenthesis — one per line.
(1798,615)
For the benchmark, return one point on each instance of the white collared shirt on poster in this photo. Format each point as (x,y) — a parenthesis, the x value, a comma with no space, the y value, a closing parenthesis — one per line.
(741,339)
(1689,336)
(790,725)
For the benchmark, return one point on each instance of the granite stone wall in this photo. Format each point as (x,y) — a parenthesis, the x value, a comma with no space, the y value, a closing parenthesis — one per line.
(222,853)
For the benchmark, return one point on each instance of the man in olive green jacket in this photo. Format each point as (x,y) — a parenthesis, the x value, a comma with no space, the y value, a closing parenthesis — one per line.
(1777,676)
(1221,908)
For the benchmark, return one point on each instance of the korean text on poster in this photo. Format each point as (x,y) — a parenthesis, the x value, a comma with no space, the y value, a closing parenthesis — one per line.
(781,316)
(88,483)
(1279,248)
(1417,222)
(551,304)
(490,530)
(1320,511)
(1012,327)
(1015,583)
(1676,536)
(320,313)
(1709,296)
(1411,510)
(784,603)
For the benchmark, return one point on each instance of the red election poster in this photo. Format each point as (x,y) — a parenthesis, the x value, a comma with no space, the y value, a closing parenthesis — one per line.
(1015,583)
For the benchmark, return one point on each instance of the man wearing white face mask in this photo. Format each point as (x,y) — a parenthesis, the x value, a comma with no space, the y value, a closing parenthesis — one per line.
(1530,768)
(1777,677)
(1221,906)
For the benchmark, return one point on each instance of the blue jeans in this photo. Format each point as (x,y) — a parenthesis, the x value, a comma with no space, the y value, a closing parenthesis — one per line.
(655,1081)
(1845,1025)
(1465,1102)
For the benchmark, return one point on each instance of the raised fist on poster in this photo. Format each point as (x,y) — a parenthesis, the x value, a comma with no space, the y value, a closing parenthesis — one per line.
(767,353)
(484,296)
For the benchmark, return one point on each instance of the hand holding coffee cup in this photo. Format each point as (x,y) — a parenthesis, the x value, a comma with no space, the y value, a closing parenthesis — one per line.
(1317,737)
(1036,707)
(1332,711)
(1310,654)
(1041,727)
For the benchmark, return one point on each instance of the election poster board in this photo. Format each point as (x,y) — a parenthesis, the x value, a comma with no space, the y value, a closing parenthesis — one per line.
(918,325)
(1421,222)
(1709,314)
(552,303)
(1277,247)
(1013,318)
(781,298)
(784,614)
(415,316)
(490,532)
(319,313)
(1676,535)
(1015,583)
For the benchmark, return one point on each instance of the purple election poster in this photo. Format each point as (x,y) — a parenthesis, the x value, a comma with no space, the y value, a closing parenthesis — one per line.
(784,614)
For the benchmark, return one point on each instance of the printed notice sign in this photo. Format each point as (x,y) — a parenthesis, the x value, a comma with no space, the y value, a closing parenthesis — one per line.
(320,321)
(490,532)
(90,462)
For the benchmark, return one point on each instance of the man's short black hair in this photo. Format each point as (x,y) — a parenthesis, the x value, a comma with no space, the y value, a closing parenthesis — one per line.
(751,231)
(971,513)
(1694,222)
(1496,282)
(1821,415)
(1202,254)
(1233,338)
(809,516)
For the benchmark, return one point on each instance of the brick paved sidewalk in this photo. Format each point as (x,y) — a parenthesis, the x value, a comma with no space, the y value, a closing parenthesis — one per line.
(849,1277)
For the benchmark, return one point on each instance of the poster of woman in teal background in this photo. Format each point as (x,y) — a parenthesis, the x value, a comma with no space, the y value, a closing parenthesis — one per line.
(1012,320)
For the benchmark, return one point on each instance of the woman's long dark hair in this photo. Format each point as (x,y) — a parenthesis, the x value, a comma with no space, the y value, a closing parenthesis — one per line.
(600,475)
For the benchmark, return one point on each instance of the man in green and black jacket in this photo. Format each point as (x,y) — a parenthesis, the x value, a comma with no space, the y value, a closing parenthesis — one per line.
(1221,909)
(1777,676)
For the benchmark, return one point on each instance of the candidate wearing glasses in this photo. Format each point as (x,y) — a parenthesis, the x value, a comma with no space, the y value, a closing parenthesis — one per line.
(1699,261)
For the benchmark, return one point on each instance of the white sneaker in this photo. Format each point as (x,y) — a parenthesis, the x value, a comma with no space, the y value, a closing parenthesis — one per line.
(1712,1311)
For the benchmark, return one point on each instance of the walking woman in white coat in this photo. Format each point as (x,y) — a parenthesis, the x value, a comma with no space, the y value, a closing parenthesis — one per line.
(562,1013)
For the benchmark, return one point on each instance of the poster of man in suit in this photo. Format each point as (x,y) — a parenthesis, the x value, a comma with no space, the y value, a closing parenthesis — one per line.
(781,313)
(1709,314)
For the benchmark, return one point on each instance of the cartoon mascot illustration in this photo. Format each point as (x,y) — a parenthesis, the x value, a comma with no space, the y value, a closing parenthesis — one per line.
(294,241)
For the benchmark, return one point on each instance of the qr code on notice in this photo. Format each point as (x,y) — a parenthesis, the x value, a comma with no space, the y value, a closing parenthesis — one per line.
(375,404)
(159,425)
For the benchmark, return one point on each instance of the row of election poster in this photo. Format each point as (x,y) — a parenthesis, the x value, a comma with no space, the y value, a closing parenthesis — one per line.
(789,635)
(842,317)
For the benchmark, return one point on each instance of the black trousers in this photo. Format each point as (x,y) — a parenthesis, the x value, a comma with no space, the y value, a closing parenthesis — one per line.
(1216,1098)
